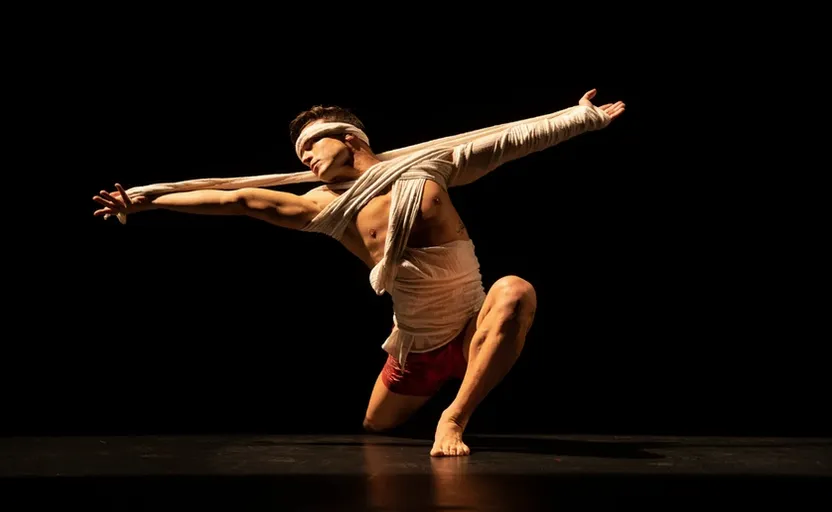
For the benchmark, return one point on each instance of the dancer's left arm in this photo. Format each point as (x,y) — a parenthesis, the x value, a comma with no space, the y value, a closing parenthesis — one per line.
(475,159)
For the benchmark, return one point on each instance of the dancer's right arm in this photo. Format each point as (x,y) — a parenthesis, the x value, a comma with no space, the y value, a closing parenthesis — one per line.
(279,208)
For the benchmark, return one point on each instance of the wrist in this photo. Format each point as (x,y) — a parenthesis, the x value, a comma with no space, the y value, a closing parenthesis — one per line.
(142,207)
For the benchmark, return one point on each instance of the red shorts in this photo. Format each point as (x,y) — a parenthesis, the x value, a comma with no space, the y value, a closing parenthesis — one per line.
(426,372)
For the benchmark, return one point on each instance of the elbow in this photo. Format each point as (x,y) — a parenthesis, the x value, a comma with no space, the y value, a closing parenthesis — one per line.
(266,206)
(239,196)
(249,201)
(239,201)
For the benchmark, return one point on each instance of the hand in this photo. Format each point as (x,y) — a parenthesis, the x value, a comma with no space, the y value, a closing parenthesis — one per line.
(612,109)
(117,202)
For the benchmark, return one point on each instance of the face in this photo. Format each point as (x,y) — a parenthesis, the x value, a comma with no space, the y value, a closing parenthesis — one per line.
(329,158)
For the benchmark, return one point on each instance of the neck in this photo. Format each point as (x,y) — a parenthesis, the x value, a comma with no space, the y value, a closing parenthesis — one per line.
(362,160)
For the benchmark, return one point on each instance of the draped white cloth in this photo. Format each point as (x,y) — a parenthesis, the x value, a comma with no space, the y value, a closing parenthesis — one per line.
(435,290)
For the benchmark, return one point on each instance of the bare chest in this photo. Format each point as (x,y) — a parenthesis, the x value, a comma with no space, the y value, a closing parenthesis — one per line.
(437,222)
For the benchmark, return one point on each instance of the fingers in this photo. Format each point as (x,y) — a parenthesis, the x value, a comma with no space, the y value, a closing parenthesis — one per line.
(106,202)
(111,204)
(590,94)
(617,109)
(115,203)
(614,110)
(106,195)
(118,199)
(124,195)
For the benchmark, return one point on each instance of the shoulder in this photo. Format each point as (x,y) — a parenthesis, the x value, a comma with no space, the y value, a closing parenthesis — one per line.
(322,196)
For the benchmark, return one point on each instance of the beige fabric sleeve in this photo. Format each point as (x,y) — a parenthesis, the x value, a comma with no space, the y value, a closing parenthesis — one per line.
(478,157)
(475,153)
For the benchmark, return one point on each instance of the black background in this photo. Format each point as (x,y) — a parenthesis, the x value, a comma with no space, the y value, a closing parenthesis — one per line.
(665,285)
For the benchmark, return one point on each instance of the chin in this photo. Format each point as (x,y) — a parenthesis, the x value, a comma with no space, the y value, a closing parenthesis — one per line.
(328,174)
(325,177)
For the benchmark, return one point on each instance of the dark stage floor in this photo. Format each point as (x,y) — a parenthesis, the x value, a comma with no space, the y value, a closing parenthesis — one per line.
(393,473)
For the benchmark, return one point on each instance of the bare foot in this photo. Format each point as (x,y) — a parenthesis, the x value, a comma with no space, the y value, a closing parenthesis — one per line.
(448,441)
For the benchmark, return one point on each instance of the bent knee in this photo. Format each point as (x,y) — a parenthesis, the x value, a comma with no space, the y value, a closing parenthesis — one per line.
(515,296)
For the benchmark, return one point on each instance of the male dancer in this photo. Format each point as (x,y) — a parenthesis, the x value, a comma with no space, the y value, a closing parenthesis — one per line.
(395,214)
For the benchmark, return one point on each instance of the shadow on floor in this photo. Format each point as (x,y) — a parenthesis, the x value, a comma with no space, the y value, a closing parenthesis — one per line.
(601,449)
(508,444)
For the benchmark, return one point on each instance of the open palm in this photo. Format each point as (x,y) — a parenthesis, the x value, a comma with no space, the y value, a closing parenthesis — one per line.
(612,109)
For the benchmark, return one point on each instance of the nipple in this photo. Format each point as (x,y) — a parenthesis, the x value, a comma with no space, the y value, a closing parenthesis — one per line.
(373,233)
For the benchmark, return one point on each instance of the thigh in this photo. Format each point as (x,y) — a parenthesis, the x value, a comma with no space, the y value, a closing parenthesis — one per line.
(423,377)
(506,290)
(387,409)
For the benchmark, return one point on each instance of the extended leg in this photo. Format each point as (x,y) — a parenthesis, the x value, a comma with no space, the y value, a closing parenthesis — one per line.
(502,324)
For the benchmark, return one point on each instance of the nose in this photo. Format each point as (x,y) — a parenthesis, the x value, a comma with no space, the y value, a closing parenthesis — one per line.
(307,158)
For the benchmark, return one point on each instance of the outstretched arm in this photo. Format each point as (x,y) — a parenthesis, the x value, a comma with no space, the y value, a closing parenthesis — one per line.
(279,208)
(475,159)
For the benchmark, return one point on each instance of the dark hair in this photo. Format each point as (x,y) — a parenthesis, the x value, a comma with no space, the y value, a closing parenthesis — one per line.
(331,113)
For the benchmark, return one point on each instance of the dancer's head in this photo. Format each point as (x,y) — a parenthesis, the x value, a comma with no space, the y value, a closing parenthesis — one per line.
(331,141)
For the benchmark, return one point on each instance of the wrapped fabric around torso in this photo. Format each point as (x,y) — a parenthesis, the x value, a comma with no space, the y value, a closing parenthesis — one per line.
(435,290)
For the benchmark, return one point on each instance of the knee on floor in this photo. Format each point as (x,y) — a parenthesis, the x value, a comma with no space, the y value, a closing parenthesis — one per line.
(374,427)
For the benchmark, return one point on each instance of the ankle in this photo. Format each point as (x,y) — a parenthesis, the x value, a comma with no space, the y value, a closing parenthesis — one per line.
(454,416)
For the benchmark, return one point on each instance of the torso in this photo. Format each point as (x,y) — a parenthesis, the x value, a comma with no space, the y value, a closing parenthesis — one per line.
(438,222)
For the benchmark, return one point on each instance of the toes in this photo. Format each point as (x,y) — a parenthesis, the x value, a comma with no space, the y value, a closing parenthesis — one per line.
(441,451)
(461,450)
(450,450)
